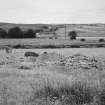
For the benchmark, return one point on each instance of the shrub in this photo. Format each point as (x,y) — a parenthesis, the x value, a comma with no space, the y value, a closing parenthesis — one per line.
(44,52)
(3,33)
(72,35)
(99,45)
(17,46)
(83,40)
(101,40)
(29,34)
(50,38)
(24,67)
(75,46)
(15,32)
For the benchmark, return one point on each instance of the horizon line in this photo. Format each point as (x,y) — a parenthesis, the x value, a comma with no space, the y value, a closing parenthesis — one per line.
(51,23)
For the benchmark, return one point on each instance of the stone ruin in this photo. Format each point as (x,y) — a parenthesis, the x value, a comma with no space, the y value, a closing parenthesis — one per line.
(84,62)
(77,61)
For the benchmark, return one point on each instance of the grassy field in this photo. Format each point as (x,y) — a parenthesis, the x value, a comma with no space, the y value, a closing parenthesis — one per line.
(91,32)
(52,85)
(44,87)
(52,43)
(78,80)
(97,52)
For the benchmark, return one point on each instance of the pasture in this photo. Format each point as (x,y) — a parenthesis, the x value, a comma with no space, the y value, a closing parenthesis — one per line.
(97,52)
(53,43)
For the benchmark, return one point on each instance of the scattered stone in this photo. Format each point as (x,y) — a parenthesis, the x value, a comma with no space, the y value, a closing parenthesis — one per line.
(81,61)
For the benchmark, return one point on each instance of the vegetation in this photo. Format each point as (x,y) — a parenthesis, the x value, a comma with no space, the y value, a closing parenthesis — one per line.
(49,88)
(77,94)
(16,32)
(28,85)
(3,33)
(29,34)
(101,40)
(83,40)
(17,46)
(72,35)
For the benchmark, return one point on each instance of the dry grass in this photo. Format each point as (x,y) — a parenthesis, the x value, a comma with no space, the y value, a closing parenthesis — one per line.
(47,87)
(52,85)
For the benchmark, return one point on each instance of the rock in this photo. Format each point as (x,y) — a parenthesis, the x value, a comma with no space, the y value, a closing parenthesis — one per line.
(33,54)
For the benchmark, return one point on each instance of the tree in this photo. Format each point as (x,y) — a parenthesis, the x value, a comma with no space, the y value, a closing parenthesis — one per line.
(3,33)
(72,35)
(101,40)
(29,34)
(15,32)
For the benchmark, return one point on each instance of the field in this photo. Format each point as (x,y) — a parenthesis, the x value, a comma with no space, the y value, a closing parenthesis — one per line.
(53,43)
(83,30)
(65,72)
(45,39)
(78,80)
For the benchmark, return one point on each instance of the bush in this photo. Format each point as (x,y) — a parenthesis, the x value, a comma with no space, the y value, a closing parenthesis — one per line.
(50,38)
(72,35)
(15,32)
(29,34)
(101,40)
(24,67)
(3,33)
(75,46)
(99,45)
(18,46)
(83,40)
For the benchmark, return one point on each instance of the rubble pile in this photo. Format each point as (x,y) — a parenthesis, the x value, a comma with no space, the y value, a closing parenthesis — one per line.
(53,59)
(85,62)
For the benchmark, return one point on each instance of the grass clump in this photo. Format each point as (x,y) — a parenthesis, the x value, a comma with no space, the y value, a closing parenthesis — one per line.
(75,94)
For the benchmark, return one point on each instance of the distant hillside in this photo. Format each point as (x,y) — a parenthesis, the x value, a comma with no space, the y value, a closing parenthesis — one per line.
(88,30)
(7,26)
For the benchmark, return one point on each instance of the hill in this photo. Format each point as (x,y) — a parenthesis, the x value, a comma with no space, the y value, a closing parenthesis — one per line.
(83,30)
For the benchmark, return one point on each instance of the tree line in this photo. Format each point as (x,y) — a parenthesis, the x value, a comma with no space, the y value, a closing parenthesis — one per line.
(16,32)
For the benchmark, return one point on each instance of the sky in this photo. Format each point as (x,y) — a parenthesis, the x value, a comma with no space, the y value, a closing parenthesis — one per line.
(52,11)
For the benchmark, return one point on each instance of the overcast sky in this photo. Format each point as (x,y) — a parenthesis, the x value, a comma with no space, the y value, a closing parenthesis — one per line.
(52,11)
